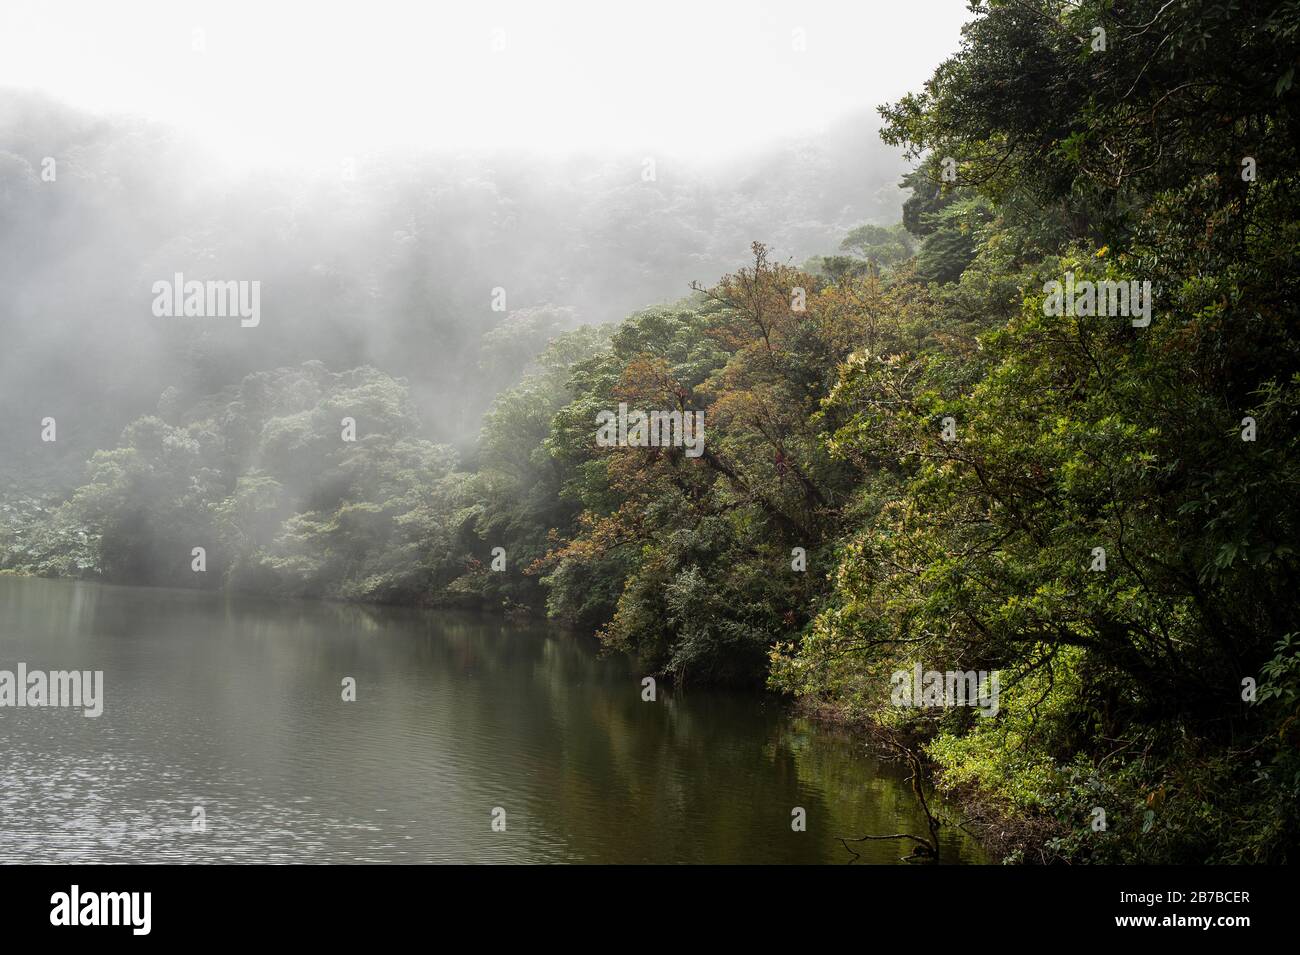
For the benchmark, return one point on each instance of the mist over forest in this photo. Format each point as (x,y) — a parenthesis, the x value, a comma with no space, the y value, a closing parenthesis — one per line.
(388,259)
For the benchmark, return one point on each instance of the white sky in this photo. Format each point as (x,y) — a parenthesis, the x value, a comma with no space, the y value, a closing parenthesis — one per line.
(296,80)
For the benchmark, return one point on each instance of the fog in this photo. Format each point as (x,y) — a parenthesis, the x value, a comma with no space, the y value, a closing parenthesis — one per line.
(402,181)
(308,82)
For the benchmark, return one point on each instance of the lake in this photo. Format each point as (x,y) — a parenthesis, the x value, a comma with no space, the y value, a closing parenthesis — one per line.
(233,705)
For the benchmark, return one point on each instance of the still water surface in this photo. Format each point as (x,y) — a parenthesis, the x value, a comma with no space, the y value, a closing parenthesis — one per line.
(234,704)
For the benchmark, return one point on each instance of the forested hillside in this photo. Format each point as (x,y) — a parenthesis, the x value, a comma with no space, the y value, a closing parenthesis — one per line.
(402,260)
(912,453)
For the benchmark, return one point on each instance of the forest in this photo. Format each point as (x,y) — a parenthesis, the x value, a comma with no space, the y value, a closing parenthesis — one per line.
(911,454)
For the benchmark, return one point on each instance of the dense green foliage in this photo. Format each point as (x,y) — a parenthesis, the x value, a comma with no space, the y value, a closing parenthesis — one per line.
(902,419)
(1123,689)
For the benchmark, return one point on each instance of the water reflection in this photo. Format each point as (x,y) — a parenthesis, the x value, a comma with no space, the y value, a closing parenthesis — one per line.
(234,704)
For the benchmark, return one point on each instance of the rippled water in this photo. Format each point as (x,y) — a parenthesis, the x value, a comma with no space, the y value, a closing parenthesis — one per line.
(234,704)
